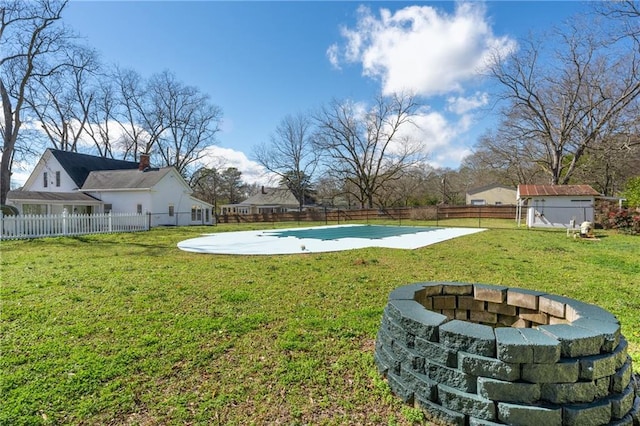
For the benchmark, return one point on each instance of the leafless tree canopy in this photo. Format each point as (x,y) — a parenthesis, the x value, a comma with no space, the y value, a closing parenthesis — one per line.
(369,147)
(32,45)
(61,88)
(626,16)
(62,101)
(189,121)
(291,155)
(559,106)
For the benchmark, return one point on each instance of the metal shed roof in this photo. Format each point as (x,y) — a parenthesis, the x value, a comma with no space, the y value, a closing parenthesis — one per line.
(526,191)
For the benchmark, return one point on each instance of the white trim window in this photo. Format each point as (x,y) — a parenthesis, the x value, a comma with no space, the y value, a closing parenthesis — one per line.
(172,210)
(196,213)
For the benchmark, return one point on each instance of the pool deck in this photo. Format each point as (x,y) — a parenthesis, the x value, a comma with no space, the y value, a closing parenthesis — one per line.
(275,241)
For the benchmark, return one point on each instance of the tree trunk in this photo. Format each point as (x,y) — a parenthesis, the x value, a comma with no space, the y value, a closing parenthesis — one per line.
(8,144)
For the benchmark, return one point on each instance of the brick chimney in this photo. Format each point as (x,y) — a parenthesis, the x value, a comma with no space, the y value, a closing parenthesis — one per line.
(144,162)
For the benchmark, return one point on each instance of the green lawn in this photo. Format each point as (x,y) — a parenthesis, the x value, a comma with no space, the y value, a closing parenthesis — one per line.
(127,329)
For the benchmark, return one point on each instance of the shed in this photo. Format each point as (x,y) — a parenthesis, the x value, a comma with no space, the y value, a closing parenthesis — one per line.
(494,194)
(556,206)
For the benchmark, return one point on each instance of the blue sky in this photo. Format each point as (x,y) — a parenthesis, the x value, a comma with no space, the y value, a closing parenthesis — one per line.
(260,61)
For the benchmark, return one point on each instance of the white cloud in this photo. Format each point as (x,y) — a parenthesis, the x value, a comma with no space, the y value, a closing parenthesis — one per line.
(461,105)
(421,49)
(449,157)
(19,176)
(222,158)
(333,53)
(441,136)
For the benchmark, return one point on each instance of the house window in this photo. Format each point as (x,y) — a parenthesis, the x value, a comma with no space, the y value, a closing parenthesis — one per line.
(57,178)
(34,209)
(108,208)
(171,210)
(45,182)
(139,209)
(206,215)
(196,213)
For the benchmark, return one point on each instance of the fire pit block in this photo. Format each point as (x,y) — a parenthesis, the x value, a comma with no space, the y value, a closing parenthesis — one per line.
(478,354)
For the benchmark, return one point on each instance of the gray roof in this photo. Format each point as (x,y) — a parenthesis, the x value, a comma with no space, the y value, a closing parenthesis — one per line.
(124,179)
(26,196)
(272,197)
(78,166)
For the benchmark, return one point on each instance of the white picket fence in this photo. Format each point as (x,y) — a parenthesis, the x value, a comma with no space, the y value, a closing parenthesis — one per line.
(38,226)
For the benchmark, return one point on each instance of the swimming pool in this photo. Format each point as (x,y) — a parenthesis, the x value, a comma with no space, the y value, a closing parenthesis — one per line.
(320,239)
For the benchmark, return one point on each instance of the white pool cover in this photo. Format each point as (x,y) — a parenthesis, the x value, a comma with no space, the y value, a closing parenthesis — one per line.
(319,239)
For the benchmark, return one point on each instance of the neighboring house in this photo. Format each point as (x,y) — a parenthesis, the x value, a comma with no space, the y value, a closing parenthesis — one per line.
(80,183)
(491,195)
(268,200)
(562,206)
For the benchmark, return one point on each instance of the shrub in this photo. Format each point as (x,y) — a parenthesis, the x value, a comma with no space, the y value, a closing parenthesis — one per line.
(624,220)
(632,192)
(9,210)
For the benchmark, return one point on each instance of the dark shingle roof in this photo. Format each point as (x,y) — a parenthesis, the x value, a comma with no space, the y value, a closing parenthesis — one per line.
(78,166)
(555,190)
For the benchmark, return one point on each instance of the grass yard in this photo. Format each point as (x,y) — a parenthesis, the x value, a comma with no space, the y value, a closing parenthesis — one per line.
(127,329)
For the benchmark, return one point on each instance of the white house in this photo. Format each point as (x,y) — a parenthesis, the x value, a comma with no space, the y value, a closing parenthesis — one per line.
(560,206)
(80,183)
(491,195)
(268,200)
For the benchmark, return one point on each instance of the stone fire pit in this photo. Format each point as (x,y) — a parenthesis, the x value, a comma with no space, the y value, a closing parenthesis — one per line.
(477,354)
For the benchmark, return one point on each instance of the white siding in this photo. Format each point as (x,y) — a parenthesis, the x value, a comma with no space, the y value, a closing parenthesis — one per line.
(492,196)
(169,191)
(125,201)
(558,212)
(48,164)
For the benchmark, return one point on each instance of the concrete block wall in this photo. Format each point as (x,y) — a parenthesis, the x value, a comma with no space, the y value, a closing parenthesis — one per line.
(478,354)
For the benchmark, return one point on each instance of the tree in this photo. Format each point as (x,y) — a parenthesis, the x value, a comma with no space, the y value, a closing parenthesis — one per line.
(62,101)
(103,118)
(291,155)
(232,188)
(190,122)
(205,183)
(161,116)
(632,192)
(608,165)
(408,190)
(558,107)
(625,13)
(503,157)
(32,43)
(300,186)
(369,148)
(140,128)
